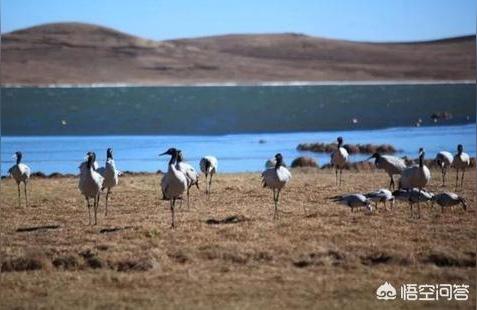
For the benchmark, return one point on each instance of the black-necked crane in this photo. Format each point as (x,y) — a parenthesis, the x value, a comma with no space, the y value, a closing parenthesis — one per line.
(354,201)
(110,175)
(391,164)
(208,166)
(412,196)
(21,174)
(416,176)
(174,182)
(449,199)
(461,162)
(381,195)
(90,184)
(276,178)
(339,159)
(190,173)
(444,160)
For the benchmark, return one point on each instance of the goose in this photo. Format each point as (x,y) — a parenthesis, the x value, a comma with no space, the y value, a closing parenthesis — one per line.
(416,176)
(90,184)
(208,165)
(444,160)
(461,161)
(190,173)
(448,199)
(391,164)
(412,196)
(174,182)
(381,195)
(354,201)
(20,173)
(110,175)
(339,159)
(276,178)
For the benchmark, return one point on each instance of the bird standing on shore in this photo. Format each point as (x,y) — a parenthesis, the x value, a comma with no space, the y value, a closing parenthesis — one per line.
(391,164)
(276,178)
(90,184)
(20,173)
(448,199)
(354,201)
(444,160)
(381,195)
(190,173)
(208,166)
(174,182)
(339,159)
(416,176)
(461,162)
(110,175)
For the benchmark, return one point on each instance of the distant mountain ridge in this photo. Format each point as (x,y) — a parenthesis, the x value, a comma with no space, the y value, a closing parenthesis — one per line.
(75,53)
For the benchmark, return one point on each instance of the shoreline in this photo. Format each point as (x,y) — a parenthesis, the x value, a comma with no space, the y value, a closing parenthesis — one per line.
(245,84)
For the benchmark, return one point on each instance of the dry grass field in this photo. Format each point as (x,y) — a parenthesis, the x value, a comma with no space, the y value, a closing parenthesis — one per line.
(317,255)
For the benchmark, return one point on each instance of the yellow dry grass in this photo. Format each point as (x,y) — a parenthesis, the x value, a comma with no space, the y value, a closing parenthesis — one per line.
(317,255)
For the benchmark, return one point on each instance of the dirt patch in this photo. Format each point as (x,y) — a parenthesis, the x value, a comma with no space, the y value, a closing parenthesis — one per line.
(133,265)
(234,219)
(442,259)
(35,228)
(329,258)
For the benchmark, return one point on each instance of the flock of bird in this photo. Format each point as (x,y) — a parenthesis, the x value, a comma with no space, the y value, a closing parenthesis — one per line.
(181,176)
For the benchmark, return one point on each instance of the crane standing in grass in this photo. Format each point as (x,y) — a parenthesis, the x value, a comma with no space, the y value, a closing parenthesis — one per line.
(354,201)
(276,178)
(416,176)
(110,175)
(174,182)
(90,184)
(339,159)
(391,164)
(448,199)
(444,160)
(461,162)
(208,166)
(20,173)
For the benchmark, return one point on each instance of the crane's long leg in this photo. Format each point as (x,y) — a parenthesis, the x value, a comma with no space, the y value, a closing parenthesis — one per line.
(188,197)
(276,204)
(95,206)
(106,208)
(19,202)
(89,210)
(172,201)
(206,185)
(443,176)
(26,195)
(336,176)
(462,178)
(419,204)
(210,182)
(457,178)
(391,183)
(341,173)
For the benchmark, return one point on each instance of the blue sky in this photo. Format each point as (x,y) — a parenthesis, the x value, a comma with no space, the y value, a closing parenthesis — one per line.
(360,20)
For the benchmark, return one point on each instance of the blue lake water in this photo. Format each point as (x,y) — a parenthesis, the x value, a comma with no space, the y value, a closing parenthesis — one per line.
(236,153)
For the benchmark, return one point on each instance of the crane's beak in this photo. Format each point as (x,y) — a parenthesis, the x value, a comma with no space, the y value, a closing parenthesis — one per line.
(370,157)
(165,153)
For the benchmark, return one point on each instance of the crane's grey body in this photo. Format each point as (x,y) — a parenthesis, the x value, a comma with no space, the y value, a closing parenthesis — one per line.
(444,160)
(448,199)
(276,178)
(90,184)
(339,159)
(416,176)
(461,162)
(21,174)
(381,195)
(174,182)
(353,201)
(110,175)
(413,196)
(208,166)
(391,164)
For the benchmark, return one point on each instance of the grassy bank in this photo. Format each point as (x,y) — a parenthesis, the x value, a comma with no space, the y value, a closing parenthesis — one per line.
(317,254)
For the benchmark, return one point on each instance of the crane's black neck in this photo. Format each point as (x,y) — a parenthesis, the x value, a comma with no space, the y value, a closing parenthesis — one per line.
(421,160)
(19,158)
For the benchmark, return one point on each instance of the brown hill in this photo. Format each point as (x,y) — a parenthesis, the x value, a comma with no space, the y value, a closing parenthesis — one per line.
(81,53)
